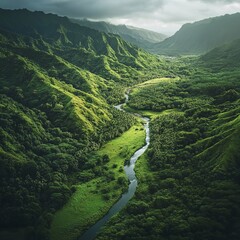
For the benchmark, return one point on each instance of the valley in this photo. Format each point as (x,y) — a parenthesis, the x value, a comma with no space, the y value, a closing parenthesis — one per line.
(93,199)
(192,134)
(65,148)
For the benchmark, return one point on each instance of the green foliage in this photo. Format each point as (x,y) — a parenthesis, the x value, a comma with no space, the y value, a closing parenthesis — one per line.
(57,80)
(142,38)
(94,198)
(189,178)
(103,54)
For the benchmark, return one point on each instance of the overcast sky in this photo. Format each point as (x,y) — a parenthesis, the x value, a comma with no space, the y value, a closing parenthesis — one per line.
(165,16)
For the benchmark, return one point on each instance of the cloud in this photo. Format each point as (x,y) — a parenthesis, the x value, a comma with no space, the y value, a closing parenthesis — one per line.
(165,16)
(87,8)
(224,1)
(107,8)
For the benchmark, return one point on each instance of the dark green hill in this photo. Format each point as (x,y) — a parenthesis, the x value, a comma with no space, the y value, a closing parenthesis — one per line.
(223,57)
(202,36)
(140,37)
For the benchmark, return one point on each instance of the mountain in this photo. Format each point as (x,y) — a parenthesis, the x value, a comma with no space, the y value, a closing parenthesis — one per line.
(223,57)
(57,81)
(103,54)
(140,37)
(202,36)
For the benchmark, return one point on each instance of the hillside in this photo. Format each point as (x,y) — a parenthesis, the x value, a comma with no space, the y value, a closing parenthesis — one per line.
(202,36)
(104,54)
(57,83)
(223,57)
(137,36)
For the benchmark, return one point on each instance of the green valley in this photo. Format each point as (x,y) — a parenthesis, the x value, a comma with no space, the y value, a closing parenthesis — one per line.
(93,199)
(64,146)
(190,183)
(57,80)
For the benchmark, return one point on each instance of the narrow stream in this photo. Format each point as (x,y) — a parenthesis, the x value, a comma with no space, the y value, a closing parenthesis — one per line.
(92,232)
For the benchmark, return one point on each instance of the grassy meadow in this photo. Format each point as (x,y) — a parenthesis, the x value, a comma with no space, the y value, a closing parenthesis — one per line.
(93,199)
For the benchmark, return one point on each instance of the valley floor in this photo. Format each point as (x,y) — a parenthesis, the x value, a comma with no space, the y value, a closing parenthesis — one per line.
(93,199)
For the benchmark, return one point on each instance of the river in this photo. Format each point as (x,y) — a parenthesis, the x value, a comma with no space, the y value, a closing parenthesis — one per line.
(92,232)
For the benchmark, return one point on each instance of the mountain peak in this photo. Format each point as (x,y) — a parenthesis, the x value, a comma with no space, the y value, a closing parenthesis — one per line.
(202,36)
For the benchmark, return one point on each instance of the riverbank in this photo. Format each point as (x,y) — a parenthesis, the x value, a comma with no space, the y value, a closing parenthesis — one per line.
(90,202)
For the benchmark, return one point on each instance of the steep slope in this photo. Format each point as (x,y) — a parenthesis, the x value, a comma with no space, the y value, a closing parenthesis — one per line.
(104,54)
(38,82)
(140,37)
(223,57)
(202,36)
(56,82)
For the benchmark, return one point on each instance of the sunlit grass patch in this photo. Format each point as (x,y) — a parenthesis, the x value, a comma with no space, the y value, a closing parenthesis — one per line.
(89,202)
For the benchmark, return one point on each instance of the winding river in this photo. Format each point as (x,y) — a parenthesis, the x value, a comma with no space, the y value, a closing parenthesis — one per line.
(92,232)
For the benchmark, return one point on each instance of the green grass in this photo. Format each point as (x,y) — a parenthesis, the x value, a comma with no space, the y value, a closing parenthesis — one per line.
(87,204)
(143,172)
(139,88)
(151,83)
(151,114)
(155,81)
(223,145)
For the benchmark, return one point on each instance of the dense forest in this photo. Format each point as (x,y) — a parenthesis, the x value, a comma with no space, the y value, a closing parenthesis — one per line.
(63,145)
(189,188)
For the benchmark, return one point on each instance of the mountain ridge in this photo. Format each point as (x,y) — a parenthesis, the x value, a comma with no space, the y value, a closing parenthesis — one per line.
(201,36)
(140,37)
(62,37)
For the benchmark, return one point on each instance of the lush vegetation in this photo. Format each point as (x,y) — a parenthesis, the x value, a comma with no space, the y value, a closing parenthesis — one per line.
(94,198)
(189,177)
(58,84)
(103,54)
(58,81)
(142,38)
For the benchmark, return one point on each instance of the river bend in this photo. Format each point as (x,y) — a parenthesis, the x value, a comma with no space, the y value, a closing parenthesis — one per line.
(92,232)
